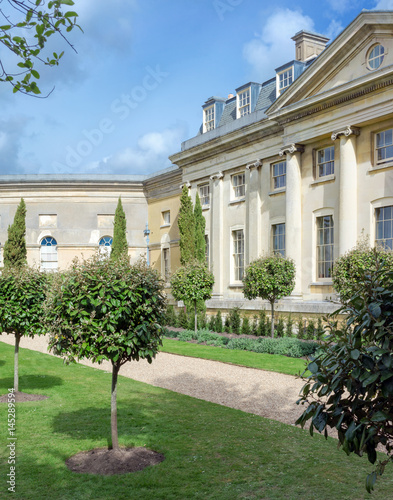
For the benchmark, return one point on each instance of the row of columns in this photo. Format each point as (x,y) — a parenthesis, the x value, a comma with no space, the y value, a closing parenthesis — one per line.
(347,216)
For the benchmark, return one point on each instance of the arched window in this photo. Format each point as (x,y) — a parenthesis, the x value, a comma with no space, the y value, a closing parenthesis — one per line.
(105,246)
(48,254)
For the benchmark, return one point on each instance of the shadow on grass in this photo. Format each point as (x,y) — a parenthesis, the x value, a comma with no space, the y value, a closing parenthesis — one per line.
(29,382)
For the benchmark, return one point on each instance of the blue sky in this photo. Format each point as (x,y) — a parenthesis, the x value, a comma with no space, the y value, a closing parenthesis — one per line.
(134,90)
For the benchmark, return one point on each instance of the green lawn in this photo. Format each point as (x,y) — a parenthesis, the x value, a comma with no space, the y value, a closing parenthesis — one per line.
(270,362)
(212,452)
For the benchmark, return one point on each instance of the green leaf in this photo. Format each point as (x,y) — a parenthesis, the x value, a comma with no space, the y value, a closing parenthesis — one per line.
(370,481)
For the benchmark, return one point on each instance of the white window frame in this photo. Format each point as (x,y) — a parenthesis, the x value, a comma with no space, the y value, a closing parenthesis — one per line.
(282,184)
(49,260)
(244,102)
(387,227)
(284,79)
(204,195)
(166,218)
(105,246)
(321,247)
(208,118)
(375,56)
(279,238)
(238,263)
(238,182)
(384,147)
(327,164)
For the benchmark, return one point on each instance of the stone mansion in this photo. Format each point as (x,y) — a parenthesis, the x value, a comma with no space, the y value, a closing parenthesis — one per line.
(301,164)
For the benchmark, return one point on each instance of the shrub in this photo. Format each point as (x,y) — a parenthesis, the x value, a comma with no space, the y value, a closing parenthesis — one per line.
(310,330)
(300,328)
(170,316)
(218,322)
(235,320)
(320,329)
(280,327)
(263,327)
(289,327)
(254,325)
(182,319)
(246,329)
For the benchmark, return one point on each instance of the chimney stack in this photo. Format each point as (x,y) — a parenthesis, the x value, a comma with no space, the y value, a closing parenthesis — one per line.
(309,45)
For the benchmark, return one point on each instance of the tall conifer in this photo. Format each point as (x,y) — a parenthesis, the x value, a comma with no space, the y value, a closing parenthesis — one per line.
(15,253)
(119,244)
(200,223)
(186,224)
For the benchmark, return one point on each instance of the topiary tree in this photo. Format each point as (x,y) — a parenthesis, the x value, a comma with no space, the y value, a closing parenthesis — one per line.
(104,309)
(200,224)
(192,283)
(351,382)
(119,244)
(15,252)
(22,294)
(186,223)
(269,278)
(349,268)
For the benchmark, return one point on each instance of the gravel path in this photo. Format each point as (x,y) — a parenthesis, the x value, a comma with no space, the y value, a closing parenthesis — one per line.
(268,394)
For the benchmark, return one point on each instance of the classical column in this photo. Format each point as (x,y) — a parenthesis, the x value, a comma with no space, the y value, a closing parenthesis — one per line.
(293,210)
(217,233)
(347,216)
(253,211)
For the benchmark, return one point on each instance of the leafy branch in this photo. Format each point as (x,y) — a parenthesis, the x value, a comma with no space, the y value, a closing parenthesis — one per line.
(27,38)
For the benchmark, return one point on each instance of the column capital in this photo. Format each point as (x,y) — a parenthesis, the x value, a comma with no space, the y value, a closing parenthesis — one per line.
(217,176)
(188,184)
(346,131)
(256,164)
(291,148)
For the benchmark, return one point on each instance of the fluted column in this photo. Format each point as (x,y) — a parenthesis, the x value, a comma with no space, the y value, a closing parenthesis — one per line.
(293,210)
(253,212)
(347,216)
(217,233)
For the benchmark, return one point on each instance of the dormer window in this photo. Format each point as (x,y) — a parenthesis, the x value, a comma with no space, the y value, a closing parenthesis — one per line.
(284,80)
(244,103)
(208,123)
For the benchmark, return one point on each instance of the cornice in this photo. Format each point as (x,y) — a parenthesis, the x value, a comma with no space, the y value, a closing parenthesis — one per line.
(307,108)
(236,139)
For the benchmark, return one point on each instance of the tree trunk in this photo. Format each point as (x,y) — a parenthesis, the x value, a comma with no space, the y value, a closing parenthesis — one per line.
(272,329)
(114,435)
(16,362)
(196,316)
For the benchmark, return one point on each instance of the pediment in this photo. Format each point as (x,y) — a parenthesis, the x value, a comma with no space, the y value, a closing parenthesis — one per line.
(344,64)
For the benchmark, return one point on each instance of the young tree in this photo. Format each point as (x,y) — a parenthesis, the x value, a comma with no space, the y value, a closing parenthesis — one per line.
(351,382)
(269,278)
(22,294)
(15,247)
(25,31)
(119,244)
(186,223)
(349,268)
(104,309)
(192,283)
(200,224)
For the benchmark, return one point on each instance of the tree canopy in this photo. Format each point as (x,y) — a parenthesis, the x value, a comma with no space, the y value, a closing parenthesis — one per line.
(15,253)
(103,309)
(192,283)
(22,294)
(349,269)
(119,244)
(26,26)
(351,382)
(269,278)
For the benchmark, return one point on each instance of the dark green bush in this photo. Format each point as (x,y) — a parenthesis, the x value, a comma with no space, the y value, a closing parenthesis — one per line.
(235,320)
(263,327)
(182,319)
(246,329)
(289,327)
(280,327)
(300,328)
(218,322)
(310,330)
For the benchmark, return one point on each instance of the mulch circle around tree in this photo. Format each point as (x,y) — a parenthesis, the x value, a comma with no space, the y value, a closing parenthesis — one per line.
(22,397)
(109,462)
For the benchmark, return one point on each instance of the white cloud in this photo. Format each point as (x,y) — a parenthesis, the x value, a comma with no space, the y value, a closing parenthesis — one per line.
(150,154)
(274,47)
(384,5)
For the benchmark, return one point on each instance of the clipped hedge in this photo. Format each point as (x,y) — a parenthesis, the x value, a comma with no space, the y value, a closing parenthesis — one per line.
(286,346)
